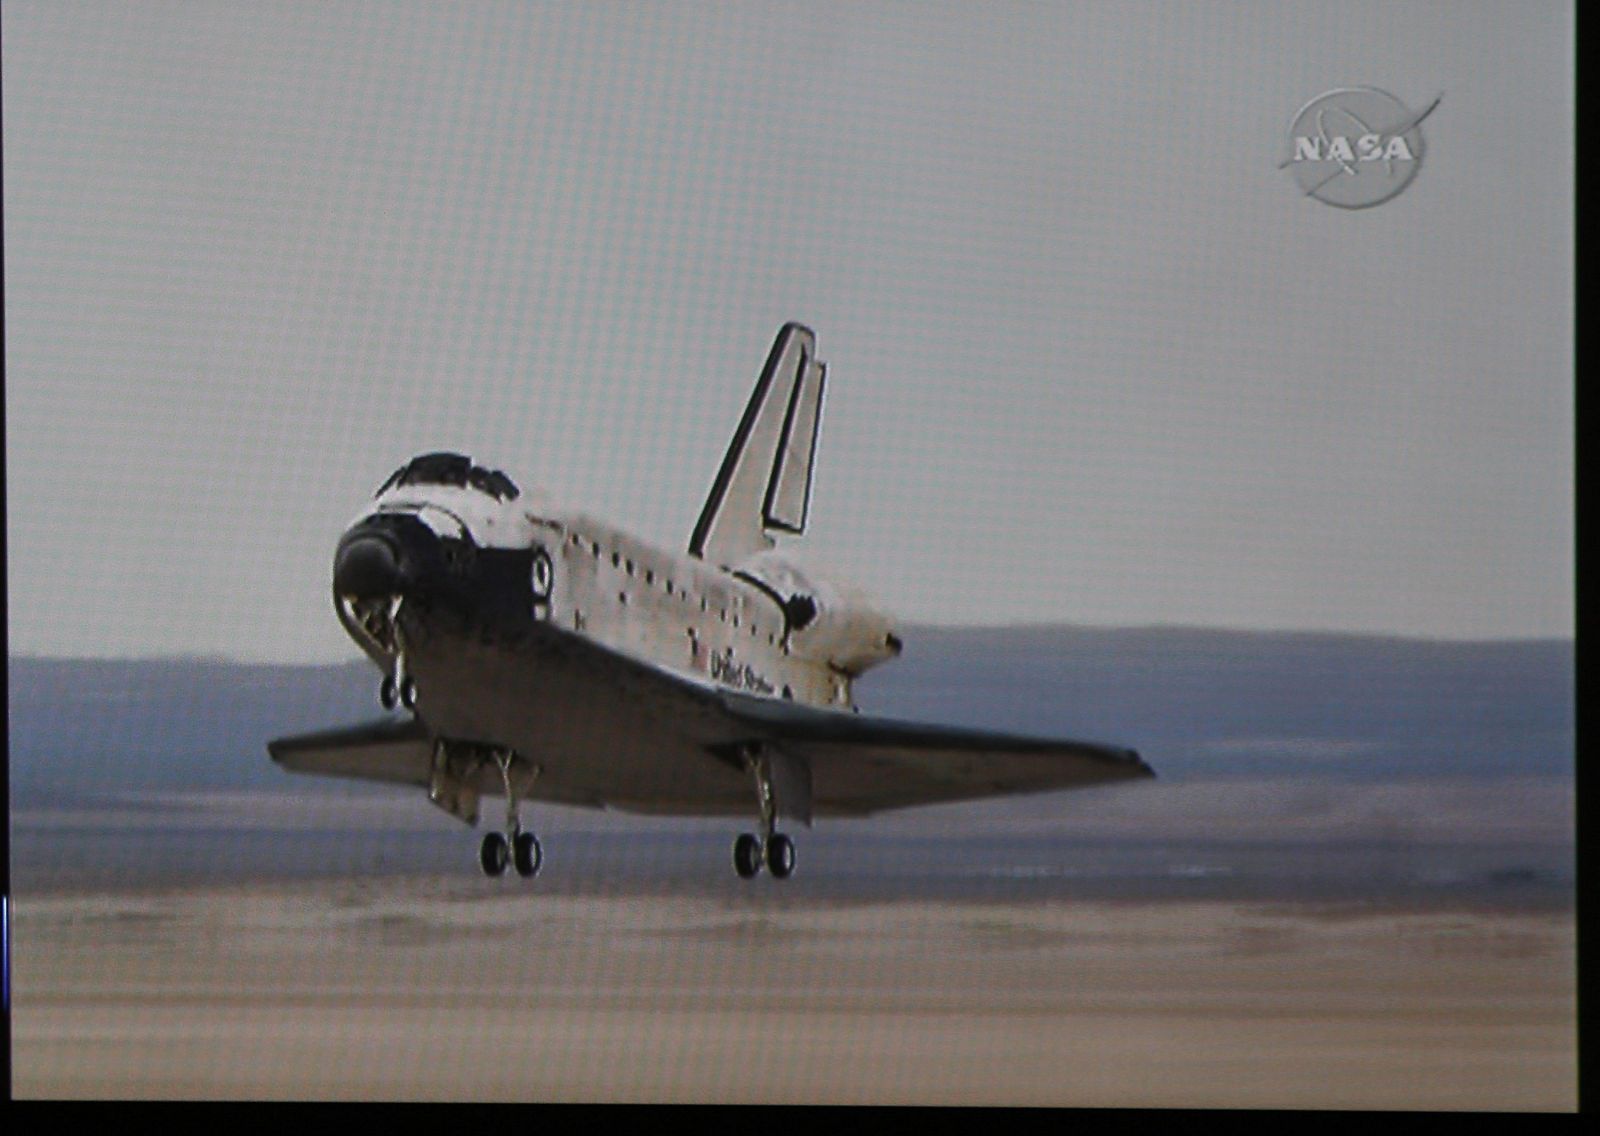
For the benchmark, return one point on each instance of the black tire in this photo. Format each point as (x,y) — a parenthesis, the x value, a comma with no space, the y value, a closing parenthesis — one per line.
(493,854)
(780,856)
(386,692)
(408,693)
(541,577)
(526,854)
(747,856)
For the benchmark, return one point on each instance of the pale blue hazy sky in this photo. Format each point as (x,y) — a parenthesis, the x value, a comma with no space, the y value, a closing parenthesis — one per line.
(1092,357)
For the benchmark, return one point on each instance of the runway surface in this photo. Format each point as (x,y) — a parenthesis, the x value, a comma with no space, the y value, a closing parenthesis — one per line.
(449,987)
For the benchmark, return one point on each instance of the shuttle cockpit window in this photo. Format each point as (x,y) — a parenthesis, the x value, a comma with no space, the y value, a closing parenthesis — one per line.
(451,469)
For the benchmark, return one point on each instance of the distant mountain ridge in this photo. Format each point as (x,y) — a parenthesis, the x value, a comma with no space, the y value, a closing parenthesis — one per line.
(1202,702)
(1196,703)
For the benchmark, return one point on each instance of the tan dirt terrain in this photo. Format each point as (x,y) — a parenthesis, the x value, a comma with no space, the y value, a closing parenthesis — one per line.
(439,989)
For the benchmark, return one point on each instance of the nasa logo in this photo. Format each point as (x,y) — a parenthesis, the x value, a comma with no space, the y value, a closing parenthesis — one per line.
(1355,147)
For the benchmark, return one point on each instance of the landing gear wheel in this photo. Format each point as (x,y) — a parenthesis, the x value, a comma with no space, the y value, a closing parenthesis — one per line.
(493,854)
(408,693)
(386,692)
(526,854)
(780,856)
(747,855)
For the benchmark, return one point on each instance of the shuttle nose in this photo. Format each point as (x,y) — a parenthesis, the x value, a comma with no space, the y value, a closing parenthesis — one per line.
(367,566)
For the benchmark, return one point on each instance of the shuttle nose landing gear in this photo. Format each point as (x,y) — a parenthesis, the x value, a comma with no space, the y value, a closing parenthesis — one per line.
(402,691)
(515,846)
(397,687)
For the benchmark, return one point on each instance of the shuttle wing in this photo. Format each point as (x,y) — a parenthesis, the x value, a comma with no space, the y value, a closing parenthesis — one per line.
(385,750)
(860,764)
(764,484)
(613,731)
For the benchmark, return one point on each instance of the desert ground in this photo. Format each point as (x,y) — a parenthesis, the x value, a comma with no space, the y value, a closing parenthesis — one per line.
(445,988)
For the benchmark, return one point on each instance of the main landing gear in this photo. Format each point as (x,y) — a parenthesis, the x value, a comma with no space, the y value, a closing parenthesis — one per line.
(750,853)
(771,848)
(522,850)
(515,846)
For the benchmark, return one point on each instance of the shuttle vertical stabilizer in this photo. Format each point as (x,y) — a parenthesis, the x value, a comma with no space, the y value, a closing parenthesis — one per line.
(765,480)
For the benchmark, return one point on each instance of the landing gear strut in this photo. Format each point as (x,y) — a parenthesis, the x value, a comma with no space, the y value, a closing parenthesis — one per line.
(515,846)
(770,848)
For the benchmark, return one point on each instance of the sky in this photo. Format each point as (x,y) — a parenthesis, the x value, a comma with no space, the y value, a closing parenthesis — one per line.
(1093,357)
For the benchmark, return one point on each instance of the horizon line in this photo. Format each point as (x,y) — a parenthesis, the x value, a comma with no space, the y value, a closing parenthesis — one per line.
(937,628)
